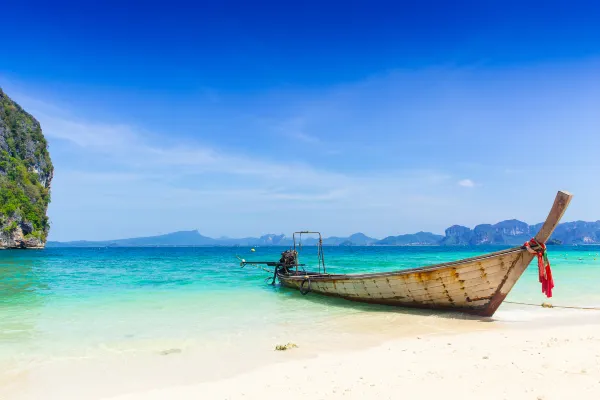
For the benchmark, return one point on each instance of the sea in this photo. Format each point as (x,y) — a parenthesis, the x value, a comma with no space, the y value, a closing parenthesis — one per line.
(62,304)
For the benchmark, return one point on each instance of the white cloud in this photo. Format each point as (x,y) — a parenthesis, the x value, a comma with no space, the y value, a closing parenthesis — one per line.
(135,153)
(86,135)
(466,183)
(130,147)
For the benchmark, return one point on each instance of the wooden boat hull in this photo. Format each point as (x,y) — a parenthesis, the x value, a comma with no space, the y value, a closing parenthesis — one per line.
(476,285)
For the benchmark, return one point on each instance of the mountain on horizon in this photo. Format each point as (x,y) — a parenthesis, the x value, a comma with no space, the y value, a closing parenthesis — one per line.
(180,238)
(415,239)
(509,232)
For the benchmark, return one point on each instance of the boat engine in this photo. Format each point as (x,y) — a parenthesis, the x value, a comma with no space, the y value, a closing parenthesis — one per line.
(288,260)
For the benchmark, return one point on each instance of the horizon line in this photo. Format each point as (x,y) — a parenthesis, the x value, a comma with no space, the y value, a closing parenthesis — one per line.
(286,236)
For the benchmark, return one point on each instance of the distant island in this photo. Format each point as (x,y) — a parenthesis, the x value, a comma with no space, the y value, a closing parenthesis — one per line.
(510,232)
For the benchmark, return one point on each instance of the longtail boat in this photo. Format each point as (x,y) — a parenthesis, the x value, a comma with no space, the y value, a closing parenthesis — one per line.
(476,285)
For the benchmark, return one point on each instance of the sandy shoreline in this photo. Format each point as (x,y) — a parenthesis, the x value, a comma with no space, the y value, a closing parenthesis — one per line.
(554,358)
(556,363)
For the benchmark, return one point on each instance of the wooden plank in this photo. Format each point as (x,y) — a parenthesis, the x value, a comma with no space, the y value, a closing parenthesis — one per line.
(435,281)
(474,289)
(449,290)
(454,293)
(397,288)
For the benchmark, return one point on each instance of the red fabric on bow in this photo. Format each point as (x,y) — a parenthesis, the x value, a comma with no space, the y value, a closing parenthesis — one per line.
(545,273)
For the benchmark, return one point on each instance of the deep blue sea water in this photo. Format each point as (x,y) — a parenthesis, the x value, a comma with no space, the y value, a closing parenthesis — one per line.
(74,302)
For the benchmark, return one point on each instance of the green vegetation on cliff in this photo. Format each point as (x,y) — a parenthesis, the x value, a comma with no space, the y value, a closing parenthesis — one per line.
(25,172)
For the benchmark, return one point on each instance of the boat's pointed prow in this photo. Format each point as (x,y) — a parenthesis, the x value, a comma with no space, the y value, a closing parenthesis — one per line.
(561,202)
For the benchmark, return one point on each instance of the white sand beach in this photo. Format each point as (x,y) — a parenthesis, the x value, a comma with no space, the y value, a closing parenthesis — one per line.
(557,363)
(548,358)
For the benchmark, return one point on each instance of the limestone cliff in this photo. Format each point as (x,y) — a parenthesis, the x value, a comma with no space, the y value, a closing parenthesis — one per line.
(25,176)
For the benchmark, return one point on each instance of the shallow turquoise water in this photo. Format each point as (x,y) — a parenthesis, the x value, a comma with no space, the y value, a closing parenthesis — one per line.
(76,301)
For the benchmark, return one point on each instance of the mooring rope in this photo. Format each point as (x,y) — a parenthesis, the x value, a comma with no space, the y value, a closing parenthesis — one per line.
(548,305)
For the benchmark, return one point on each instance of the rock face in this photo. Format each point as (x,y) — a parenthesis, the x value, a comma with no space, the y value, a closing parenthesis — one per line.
(514,232)
(510,232)
(578,232)
(271,240)
(415,239)
(457,235)
(356,239)
(25,175)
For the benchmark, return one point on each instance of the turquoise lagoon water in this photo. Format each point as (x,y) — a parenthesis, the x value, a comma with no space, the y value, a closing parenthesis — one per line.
(80,302)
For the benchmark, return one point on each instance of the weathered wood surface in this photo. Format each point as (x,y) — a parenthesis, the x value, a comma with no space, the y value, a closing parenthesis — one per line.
(476,285)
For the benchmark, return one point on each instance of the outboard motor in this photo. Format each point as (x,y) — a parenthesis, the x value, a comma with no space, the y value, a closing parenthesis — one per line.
(288,260)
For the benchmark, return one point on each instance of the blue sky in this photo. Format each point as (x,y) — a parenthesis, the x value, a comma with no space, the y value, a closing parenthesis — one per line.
(245,118)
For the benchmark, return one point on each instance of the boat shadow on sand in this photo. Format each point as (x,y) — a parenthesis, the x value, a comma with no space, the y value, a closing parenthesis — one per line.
(286,294)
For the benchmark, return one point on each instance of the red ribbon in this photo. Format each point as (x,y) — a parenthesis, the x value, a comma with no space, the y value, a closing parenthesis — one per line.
(544,271)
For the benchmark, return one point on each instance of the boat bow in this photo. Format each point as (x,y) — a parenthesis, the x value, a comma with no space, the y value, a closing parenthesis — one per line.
(561,202)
